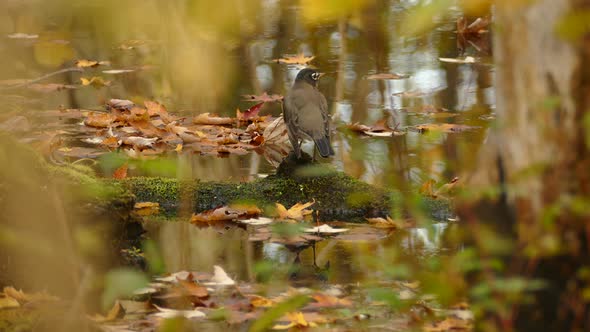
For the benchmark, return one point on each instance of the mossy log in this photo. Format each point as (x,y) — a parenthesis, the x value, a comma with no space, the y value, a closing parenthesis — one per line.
(337,195)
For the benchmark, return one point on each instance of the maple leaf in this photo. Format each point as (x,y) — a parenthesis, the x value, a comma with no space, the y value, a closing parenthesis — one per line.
(296,212)
(299,59)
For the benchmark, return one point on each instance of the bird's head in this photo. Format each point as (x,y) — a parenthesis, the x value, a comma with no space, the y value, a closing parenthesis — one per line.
(309,75)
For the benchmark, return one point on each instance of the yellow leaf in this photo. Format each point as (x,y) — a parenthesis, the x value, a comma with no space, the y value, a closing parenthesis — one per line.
(297,211)
(178,148)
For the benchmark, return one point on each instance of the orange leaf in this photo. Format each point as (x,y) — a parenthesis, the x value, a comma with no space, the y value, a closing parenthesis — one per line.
(121,172)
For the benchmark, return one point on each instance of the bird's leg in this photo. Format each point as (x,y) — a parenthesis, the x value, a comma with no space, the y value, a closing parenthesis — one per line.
(298,150)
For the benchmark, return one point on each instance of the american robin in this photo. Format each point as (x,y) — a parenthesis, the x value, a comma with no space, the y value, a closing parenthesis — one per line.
(306,115)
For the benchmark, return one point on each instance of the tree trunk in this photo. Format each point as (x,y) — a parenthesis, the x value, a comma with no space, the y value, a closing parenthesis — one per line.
(537,161)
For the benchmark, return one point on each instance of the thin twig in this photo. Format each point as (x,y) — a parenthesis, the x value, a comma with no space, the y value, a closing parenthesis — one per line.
(31,81)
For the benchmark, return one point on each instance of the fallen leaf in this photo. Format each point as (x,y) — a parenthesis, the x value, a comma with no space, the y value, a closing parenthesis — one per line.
(116,312)
(260,301)
(139,142)
(146,208)
(118,71)
(20,35)
(386,223)
(297,320)
(387,76)
(23,297)
(120,104)
(276,132)
(225,213)
(296,212)
(207,119)
(121,172)
(444,127)
(99,120)
(83,63)
(329,301)
(467,59)
(380,129)
(325,230)
(8,302)
(111,142)
(448,324)
(220,278)
(95,81)
(193,289)
(299,59)
(171,313)
(250,113)
(257,221)
(264,97)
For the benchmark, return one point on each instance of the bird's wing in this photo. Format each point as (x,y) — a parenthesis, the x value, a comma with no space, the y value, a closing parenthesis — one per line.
(325,114)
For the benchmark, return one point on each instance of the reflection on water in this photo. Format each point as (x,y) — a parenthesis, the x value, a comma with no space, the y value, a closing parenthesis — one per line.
(187,247)
(184,64)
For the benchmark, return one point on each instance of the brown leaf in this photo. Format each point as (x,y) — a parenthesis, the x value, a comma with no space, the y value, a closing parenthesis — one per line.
(193,289)
(444,127)
(157,109)
(328,301)
(207,119)
(261,302)
(120,104)
(299,59)
(111,142)
(116,312)
(121,172)
(99,120)
(447,189)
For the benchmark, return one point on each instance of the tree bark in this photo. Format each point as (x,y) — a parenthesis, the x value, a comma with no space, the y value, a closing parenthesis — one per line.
(537,162)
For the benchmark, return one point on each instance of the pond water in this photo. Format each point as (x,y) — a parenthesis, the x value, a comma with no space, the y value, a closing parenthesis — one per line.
(194,63)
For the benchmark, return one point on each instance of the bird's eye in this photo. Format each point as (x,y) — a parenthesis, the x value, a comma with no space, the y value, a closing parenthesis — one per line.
(315,76)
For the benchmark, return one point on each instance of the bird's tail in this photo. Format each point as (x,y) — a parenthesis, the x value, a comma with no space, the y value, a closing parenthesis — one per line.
(324,147)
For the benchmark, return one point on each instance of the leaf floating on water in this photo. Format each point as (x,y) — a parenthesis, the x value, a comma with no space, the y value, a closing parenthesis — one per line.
(117,71)
(20,35)
(444,127)
(325,230)
(296,212)
(84,63)
(379,129)
(387,223)
(387,76)
(95,81)
(299,59)
(260,221)
(467,59)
